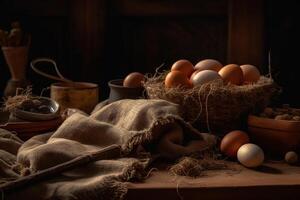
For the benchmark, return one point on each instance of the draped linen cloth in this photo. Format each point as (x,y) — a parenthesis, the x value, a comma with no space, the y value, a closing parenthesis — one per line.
(133,124)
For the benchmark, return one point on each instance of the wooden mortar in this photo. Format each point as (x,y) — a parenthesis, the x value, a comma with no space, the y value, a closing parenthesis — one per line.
(80,95)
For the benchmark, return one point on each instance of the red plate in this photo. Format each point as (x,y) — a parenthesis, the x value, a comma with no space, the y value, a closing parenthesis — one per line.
(25,129)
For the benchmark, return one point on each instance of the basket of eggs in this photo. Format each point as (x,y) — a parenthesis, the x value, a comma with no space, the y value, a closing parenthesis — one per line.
(213,97)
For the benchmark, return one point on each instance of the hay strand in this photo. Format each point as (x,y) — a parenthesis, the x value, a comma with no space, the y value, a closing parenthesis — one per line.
(22,95)
(193,167)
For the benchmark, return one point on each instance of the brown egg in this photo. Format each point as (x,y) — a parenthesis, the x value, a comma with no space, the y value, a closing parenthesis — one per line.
(232,73)
(208,64)
(185,66)
(250,73)
(133,80)
(232,141)
(177,79)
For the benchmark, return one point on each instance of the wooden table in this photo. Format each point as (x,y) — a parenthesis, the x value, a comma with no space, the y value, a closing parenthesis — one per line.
(274,180)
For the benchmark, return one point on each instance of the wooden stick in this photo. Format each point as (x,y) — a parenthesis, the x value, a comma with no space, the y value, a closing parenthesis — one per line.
(113,151)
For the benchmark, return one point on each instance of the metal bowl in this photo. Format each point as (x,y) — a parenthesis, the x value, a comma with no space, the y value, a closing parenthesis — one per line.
(34,116)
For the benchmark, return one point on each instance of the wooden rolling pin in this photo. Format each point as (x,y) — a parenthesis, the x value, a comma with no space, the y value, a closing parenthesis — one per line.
(110,152)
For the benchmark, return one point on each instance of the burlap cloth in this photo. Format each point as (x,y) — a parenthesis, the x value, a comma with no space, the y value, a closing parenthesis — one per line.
(133,124)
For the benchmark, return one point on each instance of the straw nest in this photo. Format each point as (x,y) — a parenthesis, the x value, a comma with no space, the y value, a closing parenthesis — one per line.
(193,167)
(215,107)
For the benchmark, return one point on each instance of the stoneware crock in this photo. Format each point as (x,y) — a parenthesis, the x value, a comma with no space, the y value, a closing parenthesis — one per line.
(118,91)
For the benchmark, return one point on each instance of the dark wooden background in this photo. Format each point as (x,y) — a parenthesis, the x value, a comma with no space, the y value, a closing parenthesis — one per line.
(99,40)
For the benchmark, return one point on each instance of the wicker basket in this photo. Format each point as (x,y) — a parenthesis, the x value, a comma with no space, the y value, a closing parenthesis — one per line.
(215,107)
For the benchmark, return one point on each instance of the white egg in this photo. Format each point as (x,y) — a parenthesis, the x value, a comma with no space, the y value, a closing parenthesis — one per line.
(205,76)
(250,155)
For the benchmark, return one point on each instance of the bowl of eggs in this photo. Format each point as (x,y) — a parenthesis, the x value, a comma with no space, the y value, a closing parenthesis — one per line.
(128,88)
(184,74)
(216,97)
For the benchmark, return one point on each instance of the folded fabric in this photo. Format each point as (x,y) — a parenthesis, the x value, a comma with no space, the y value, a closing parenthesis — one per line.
(129,123)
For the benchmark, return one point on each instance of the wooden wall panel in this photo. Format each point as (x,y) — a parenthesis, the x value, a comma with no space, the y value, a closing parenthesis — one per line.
(87,26)
(170,7)
(39,8)
(145,34)
(143,45)
(246,32)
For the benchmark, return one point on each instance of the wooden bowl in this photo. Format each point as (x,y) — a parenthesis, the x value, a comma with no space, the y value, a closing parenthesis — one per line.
(81,95)
(276,137)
